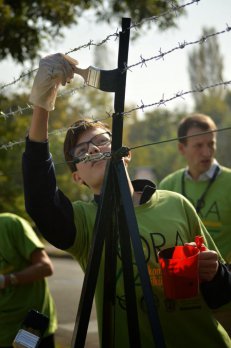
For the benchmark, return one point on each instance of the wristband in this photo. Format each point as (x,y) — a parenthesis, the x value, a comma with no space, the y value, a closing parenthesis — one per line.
(13,279)
(2,281)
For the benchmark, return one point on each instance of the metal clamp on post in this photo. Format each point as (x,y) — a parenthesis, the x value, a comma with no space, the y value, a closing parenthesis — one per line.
(94,157)
(120,153)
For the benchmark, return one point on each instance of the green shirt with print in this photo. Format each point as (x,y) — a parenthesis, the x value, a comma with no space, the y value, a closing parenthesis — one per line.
(166,220)
(216,211)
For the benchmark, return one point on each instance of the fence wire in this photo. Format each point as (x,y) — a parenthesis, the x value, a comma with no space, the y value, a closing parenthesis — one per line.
(18,110)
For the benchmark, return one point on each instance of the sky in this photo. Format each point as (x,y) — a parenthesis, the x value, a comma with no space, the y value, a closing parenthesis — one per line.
(157,79)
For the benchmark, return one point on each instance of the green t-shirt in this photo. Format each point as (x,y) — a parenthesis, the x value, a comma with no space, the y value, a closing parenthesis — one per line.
(216,212)
(166,220)
(17,242)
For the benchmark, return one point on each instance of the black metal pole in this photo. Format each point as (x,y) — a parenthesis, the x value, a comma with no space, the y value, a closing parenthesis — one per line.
(102,225)
(116,211)
(117,123)
(124,239)
(132,228)
(108,330)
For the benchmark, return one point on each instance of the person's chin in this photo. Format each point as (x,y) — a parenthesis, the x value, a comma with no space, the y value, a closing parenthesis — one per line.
(206,165)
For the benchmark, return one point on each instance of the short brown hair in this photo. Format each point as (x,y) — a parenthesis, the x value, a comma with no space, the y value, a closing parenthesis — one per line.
(73,135)
(204,122)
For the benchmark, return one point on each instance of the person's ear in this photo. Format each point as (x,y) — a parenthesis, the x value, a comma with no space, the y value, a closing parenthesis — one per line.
(76,178)
(181,148)
(128,158)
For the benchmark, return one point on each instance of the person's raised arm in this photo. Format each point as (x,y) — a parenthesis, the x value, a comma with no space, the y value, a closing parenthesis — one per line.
(45,203)
(38,131)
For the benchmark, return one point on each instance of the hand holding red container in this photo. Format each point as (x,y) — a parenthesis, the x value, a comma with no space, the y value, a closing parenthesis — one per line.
(180,269)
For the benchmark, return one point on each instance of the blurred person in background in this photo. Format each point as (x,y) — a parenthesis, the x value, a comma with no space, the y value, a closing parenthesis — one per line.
(207,184)
(24,264)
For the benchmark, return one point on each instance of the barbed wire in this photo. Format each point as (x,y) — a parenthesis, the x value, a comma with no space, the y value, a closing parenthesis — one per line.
(59,131)
(180,94)
(180,46)
(180,138)
(18,79)
(19,110)
(174,8)
(107,155)
(161,102)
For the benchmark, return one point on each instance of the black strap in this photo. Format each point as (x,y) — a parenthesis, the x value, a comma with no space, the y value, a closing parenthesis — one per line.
(201,201)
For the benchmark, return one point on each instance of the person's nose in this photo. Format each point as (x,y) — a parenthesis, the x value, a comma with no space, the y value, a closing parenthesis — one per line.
(93,148)
(207,151)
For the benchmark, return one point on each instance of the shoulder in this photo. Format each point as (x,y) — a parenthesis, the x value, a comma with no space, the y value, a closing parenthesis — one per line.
(171,178)
(225,170)
(172,201)
(224,177)
(12,221)
(171,194)
(7,218)
(18,231)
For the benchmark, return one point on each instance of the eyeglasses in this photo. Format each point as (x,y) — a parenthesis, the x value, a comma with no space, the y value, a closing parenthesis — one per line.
(98,140)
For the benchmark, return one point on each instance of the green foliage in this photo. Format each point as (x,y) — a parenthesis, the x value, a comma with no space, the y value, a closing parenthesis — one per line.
(140,9)
(12,129)
(206,67)
(28,25)
(157,126)
(25,24)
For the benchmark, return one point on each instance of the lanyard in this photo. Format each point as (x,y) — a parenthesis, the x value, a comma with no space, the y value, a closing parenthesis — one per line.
(201,201)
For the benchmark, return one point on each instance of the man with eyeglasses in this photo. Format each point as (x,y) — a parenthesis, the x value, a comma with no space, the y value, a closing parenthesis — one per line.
(164,220)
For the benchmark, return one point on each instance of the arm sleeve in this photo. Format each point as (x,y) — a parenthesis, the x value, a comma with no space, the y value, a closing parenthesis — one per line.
(217,292)
(50,209)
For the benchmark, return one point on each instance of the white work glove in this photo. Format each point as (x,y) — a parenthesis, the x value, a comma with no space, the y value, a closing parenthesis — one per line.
(53,70)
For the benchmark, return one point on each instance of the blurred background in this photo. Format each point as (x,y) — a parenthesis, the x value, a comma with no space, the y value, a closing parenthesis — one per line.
(178,63)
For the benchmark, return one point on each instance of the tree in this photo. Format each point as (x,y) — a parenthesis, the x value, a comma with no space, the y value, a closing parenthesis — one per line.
(25,25)
(206,67)
(156,126)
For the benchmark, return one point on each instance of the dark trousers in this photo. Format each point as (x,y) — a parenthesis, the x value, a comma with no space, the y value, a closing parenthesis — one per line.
(47,342)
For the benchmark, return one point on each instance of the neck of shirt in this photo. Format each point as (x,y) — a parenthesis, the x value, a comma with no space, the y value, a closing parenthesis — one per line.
(206,175)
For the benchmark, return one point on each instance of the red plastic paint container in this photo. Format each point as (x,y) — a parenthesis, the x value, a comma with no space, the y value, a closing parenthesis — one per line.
(179,266)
